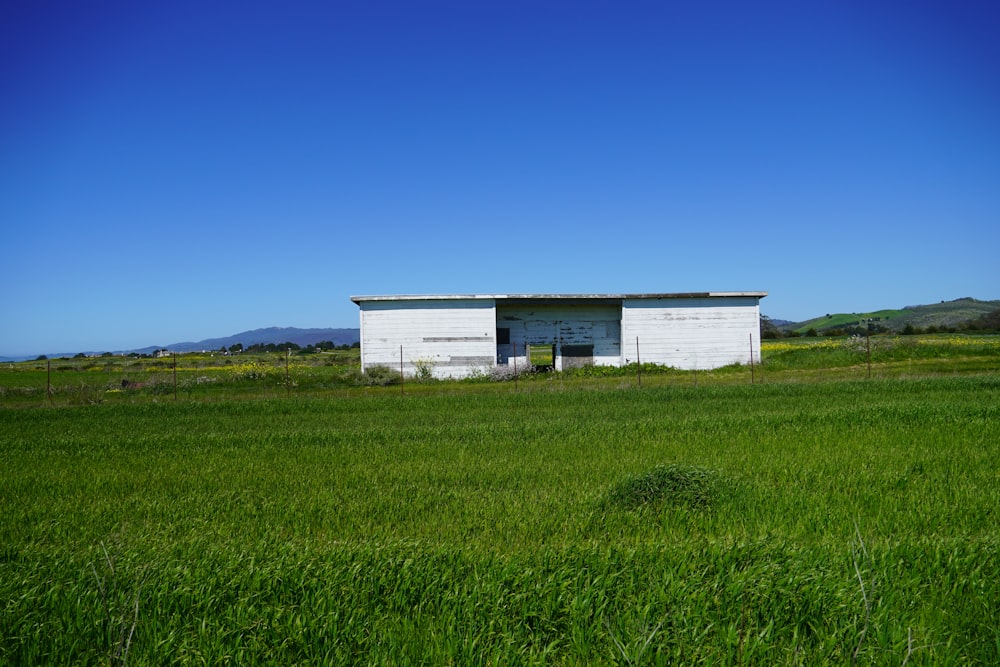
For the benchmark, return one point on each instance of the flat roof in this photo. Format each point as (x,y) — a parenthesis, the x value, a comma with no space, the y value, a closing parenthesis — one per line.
(555,297)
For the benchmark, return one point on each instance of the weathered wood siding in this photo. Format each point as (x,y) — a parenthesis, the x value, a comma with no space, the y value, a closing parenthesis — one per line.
(452,337)
(574,326)
(694,333)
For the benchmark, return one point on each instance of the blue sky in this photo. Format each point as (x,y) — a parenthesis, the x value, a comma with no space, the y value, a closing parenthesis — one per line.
(179,171)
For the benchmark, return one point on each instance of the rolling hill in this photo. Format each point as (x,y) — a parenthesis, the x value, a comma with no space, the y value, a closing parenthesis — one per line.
(943,314)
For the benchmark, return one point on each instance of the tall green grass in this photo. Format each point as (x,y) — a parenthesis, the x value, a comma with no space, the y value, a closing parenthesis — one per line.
(843,522)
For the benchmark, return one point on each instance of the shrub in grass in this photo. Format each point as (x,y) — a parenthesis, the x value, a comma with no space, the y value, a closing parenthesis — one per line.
(423,370)
(378,376)
(629,370)
(161,386)
(674,485)
(507,372)
(252,370)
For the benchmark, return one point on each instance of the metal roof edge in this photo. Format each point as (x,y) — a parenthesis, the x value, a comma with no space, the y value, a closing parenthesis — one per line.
(500,297)
(426,297)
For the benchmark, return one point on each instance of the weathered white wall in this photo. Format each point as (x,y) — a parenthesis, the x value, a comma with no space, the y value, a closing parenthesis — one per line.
(595,324)
(691,333)
(454,337)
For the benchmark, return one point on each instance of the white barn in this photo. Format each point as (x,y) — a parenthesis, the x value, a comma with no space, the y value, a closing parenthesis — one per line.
(458,335)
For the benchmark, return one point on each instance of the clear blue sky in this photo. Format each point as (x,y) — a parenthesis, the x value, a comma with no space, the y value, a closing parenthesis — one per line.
(174,171)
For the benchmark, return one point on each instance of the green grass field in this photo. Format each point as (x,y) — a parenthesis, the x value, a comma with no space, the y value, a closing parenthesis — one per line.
(813,517)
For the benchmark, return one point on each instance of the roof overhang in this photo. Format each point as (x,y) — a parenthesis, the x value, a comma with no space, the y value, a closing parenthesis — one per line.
(534,298)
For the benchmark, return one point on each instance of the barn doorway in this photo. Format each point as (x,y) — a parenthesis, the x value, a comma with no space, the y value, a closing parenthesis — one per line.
(542,357)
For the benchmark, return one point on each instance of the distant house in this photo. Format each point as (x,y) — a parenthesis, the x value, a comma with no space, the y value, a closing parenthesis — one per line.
(159,354)
(458,335)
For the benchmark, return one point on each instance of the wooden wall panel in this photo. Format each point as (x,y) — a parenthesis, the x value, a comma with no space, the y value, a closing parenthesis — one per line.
(696,333)
(452,337)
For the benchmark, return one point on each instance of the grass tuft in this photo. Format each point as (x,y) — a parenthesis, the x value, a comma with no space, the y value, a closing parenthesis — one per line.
(675,485)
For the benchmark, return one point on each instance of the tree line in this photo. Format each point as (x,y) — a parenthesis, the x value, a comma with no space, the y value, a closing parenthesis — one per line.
(322,346)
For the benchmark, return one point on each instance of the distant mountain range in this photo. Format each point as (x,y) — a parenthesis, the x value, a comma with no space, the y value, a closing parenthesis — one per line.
(300,337)
(944,314)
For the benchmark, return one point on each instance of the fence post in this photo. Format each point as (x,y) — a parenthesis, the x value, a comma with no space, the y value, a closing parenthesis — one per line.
(175,375)
(401,391)
(638,363)
(515,366)
(868,348)
(751,359)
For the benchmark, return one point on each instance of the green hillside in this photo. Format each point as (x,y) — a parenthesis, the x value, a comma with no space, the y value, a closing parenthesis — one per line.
(944,314)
